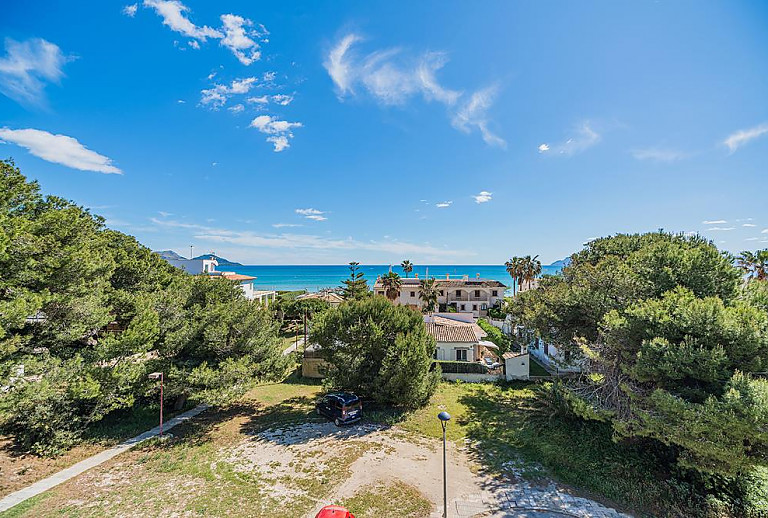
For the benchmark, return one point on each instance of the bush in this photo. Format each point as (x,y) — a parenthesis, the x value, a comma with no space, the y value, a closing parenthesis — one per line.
(378,350)
(452,367)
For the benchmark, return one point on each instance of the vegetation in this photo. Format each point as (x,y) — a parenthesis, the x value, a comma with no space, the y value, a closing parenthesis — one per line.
(496,336)
(356,287)
(428,294)
(392,284)
(86,313)
(378,350)
(673,342)
(394,499)
(754,264)
(407,267)
(523,270)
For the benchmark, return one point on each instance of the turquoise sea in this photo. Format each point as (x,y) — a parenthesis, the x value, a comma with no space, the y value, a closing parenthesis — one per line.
(317,277)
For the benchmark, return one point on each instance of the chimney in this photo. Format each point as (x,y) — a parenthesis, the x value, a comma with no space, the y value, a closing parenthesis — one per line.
(417,275)
(448,276)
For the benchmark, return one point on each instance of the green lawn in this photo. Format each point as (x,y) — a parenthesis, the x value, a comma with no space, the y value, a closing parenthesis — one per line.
(396,499)
(537,369)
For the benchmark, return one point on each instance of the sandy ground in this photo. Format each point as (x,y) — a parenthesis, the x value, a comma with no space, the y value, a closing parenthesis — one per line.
(385,455)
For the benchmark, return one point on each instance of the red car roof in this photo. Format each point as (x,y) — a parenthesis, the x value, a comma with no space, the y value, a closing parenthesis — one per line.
(334,511)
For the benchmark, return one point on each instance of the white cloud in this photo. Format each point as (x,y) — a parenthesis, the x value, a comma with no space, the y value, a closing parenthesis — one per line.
(483,197)
(543,148)
(238,108)
(748,225)
(474,113)
(583,138)
(752,239)
(764,231)
(742,137)
(714,222)
(287,225)
(194,44)
(444,204)
(164,214)
(130,10)
(658,154)
(218,95)
(264,99)
(341,70)
(282,99)
(238,38)
(393,77)
(721,228)
(313,214)
(279,131)
(173,14)
(59,149)
(26,68)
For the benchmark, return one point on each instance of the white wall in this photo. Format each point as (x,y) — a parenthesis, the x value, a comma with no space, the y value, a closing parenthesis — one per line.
(518,367)
(446,351)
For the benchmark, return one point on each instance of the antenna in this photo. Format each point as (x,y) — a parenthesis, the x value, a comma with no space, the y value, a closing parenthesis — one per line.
(191,254)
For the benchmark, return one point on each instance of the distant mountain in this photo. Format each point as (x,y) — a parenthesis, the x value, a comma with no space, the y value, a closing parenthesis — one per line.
(220,260)
(562,263)
(169,254)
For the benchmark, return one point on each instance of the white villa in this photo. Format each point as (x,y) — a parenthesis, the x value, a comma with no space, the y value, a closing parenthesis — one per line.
(195,266)
(458,339)
(465,295)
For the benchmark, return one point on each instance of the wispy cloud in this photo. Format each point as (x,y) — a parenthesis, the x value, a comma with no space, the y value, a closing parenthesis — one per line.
(164,214)
(174,15)
(483,197)
(583,138)
(714,222)
(742,137)
(59,149)
(286,225)
(293,241)
(282,99)
(659,154)
(130,10)
(393,77)
(279,131)
(748,225)
(27,67)
(443,204)
(474,114)
(313,214)
(720,228)
(764,231)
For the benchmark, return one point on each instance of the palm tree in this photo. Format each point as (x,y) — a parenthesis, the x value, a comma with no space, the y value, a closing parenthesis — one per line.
(514,269)
(407,267)
(428,294)
(391,283)
(531,269)
(755,265)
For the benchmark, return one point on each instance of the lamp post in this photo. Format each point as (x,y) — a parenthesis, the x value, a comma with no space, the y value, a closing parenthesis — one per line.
(155,376)
(444,418)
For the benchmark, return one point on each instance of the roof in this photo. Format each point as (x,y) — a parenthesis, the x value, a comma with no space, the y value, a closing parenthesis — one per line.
(236,276)
(449,283)
(512,354)
(446,321)
(452,333)
(327,296)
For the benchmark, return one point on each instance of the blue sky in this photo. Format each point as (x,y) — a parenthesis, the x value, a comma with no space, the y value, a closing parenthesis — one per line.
(443,132)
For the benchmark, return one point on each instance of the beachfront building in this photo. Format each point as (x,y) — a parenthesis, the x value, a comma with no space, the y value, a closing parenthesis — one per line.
(194,266)
(463,295)
(245,283)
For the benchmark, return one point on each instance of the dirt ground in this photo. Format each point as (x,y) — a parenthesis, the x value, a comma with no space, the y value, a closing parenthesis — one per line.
(386,455)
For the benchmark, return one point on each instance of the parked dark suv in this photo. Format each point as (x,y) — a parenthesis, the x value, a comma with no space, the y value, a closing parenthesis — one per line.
(342,407)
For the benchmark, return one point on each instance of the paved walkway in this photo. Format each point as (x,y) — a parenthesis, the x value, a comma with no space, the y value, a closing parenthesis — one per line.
(91,462)
(525,501)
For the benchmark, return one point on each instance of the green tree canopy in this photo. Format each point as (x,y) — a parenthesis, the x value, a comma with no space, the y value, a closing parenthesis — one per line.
(378,350)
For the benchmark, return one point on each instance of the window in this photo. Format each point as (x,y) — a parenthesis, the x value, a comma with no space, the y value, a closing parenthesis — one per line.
(477,293)
(495,293)
(463,307)
(381,293)
(413,294)
(441,293)
(483,306)
(458,293)
(461,355)
(474,307)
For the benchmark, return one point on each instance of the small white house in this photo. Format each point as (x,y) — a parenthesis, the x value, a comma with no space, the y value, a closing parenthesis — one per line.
(195,266)
(458,340)
(554,359)
(245,282)
(516,365)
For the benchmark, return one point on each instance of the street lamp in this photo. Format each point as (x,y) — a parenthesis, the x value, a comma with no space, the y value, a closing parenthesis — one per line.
(444,418)
(156,376)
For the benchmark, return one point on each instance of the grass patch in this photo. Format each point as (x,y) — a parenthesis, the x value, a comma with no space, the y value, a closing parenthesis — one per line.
(396,499)
(537,369)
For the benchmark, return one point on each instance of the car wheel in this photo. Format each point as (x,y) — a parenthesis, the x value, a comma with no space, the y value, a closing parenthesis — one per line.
(337,422)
